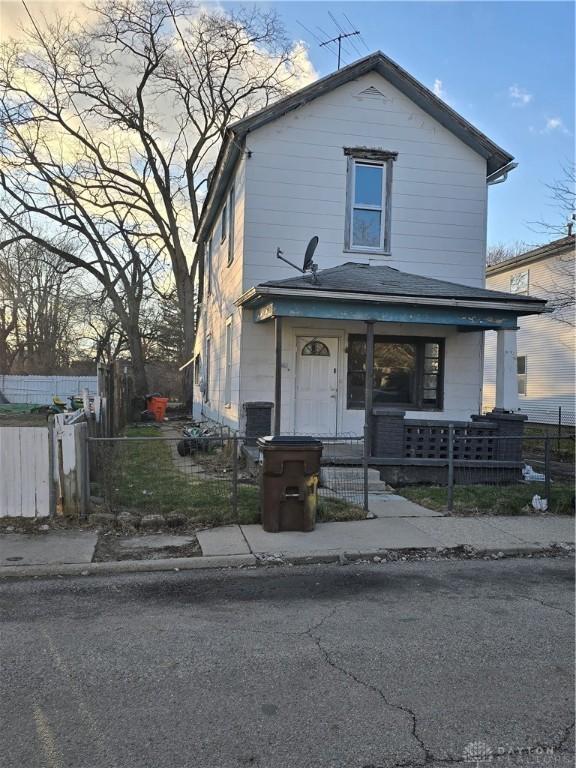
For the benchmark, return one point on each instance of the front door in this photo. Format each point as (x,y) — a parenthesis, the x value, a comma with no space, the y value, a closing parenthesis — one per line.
(316,404)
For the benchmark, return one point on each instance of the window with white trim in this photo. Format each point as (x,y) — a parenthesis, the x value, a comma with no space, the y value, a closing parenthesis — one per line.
(208,248)
(368,200)
(231,205)
(522,374)
(207,370)
(519,283)
(224,222)
(228,370)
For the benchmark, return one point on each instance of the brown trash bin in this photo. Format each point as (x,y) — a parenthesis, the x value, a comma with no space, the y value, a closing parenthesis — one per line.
(289,482)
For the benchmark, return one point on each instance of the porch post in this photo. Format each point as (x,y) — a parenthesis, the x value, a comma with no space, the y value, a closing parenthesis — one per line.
(506,371)
(278,375)
(369,387)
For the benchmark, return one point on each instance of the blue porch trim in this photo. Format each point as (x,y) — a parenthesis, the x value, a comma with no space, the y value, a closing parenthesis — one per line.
(326,309)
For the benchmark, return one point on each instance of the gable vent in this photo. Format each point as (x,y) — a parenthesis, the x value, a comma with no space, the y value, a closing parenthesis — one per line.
(371,93)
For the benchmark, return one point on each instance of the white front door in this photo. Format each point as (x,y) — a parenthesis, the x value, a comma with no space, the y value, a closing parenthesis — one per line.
(316,403)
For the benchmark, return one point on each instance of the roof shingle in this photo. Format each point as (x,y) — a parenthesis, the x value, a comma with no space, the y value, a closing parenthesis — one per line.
(387,281)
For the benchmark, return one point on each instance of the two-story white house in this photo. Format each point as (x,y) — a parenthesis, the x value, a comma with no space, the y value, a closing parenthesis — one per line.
(394,183)
(546,348)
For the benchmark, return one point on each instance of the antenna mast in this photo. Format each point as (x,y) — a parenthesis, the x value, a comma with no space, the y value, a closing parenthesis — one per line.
(338,39)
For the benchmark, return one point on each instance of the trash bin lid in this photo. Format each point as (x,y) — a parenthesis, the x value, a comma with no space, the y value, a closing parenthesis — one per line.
(289,440)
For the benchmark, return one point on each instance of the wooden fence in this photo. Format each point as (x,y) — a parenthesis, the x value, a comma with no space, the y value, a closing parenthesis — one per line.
(25,485)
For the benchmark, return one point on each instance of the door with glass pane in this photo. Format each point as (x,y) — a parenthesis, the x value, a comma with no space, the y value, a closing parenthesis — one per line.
(316,405)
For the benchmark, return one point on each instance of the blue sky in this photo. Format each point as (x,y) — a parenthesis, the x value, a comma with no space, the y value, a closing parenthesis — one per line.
(508,67)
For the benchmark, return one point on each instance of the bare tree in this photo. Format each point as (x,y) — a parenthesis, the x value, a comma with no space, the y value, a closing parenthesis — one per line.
(109,131)
(38,315)
(501,252)
(562,194)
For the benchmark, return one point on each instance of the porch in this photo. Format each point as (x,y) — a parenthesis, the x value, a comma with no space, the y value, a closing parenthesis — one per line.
(384,355)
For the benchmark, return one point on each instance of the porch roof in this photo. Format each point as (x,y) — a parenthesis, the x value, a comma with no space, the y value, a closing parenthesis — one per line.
(383,294)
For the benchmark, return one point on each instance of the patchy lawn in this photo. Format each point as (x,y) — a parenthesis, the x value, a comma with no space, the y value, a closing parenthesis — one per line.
(492,500)
(562,449)
(146,477)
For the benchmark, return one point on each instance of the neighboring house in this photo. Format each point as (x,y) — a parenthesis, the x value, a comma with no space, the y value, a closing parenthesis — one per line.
(395,184)
(546,343)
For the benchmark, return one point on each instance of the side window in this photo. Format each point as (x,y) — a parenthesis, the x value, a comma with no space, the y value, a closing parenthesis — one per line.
(368,203)
(522,374)
(224,221)
(228,370)
(207,371)
(231,206)
(519,283)
(209,267)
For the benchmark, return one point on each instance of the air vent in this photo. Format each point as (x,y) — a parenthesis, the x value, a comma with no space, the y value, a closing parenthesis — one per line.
(371,93)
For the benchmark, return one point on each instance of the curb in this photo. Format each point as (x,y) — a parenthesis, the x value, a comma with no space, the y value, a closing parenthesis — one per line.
(260,560)
(127,566)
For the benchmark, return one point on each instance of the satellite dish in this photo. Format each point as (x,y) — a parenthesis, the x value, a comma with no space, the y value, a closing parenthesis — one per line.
(309,265)
(308,256)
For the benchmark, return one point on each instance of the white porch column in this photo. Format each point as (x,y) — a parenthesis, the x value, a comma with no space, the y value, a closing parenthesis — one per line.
(506,372)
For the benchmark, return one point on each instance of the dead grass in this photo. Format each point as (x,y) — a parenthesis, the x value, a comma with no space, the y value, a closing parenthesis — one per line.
(492,500)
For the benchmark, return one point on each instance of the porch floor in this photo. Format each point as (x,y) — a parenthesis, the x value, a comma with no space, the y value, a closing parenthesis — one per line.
(332,453)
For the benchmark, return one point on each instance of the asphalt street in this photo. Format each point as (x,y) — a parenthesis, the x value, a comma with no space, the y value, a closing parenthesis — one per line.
(331,666)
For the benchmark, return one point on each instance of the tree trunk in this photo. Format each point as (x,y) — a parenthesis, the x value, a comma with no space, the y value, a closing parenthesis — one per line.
(185,278)
(138,366)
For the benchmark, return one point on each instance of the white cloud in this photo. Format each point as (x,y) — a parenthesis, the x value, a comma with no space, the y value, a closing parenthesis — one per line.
(519,97)
(553,125)
(438,89)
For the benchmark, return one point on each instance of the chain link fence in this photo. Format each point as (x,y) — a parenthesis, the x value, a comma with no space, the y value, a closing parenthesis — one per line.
(201,478)
(528,473)
(210,480)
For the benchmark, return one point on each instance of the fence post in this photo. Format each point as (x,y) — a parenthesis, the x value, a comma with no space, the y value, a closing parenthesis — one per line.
(235,477)
(450,491)
(365,467)
(559,426)
(547,478)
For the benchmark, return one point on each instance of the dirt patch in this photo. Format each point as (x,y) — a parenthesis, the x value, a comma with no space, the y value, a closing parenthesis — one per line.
(109,548)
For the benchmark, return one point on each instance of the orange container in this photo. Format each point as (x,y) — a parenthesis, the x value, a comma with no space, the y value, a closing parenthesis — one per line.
(158,407)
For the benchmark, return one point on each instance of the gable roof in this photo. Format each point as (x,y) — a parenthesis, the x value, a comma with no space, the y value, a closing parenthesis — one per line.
(232,146)
(380,282)
(555,248)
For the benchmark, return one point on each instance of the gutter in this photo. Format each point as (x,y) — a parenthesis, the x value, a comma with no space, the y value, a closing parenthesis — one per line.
(528,307)
(501,174)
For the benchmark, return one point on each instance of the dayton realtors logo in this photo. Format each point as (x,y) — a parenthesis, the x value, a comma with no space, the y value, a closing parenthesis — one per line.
(479,753)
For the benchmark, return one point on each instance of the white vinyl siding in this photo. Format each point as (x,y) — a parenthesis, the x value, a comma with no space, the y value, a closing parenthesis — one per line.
(296,187)
(546,341)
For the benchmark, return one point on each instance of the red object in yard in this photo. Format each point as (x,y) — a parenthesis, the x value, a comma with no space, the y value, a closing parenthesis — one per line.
(157,405)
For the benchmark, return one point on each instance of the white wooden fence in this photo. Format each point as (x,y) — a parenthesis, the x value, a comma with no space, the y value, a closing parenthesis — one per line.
(39,390)
(25,483)
(70,466)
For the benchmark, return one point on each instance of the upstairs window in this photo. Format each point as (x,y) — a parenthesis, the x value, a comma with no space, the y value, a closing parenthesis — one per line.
(519,283)
(231,206)
(368,200)
(208,248)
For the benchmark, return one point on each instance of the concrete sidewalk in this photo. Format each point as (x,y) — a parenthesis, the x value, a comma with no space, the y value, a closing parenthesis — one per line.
(369,537)
(72,552)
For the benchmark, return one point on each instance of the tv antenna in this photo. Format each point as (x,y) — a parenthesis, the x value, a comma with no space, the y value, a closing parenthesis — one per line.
(338,39)
(308,265)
